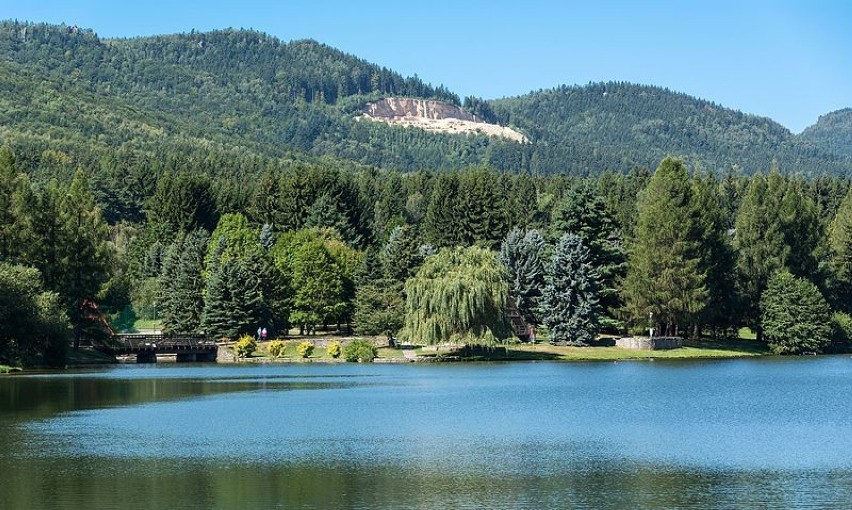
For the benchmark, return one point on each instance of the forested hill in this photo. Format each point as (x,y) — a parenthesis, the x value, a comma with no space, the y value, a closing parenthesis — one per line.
(832,132)
(634,124)
(249,96)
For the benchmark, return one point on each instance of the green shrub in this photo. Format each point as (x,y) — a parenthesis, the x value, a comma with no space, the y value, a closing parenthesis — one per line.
(276,348)
(245,346)
(842,332)
(334,349)
(795,316)
(360,350)
(305,349)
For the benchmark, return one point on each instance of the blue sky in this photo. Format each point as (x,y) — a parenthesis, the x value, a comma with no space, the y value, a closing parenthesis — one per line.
(788,60)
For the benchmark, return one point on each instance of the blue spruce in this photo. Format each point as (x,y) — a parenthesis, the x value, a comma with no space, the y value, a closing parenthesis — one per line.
(570,305)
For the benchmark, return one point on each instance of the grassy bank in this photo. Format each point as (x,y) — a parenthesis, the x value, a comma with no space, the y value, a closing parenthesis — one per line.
(692,350)
(6,369)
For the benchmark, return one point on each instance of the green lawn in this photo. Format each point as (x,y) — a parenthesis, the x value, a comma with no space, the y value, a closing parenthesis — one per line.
(140,324)
(691,350)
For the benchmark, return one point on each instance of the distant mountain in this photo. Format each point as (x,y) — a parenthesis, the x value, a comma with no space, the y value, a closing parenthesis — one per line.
(832,132)
(624,124)
(253,97)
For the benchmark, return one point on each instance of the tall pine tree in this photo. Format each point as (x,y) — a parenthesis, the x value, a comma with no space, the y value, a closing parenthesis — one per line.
(664,275)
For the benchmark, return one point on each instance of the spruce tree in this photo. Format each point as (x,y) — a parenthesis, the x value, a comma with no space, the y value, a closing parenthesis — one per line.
(219,319)
(795,316)
(400,256)
(440,227)
(167,304)
(760,242)
(664,275)
(187,286)
(582,211)
(570,305)
(840,256)
(523,255)
(717,256)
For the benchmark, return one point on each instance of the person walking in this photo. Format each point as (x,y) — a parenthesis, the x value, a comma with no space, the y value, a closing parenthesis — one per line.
(263,334)
(259,333)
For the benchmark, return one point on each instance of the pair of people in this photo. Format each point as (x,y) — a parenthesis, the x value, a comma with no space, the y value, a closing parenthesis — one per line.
(261,334)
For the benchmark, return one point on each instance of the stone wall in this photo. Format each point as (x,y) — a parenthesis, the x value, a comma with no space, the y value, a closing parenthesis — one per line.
(649,344)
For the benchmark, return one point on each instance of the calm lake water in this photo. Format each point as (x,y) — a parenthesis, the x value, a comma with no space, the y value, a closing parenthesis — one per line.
(768,433)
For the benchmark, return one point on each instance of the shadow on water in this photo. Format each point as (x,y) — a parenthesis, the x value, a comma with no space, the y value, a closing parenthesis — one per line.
(39,397)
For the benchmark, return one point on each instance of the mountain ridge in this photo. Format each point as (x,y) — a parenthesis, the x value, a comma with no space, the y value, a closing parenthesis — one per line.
(253,92)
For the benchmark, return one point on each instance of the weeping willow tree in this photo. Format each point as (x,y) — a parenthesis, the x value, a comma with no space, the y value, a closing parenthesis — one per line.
(457,296)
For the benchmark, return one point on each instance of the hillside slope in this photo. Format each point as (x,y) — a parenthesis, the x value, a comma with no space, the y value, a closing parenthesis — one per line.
(626,124)
(247,93)
(832,132)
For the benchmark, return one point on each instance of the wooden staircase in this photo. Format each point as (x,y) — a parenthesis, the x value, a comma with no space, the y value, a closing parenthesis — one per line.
(516,320)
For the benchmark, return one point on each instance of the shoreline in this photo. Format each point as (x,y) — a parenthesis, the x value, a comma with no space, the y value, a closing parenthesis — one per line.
(603,351)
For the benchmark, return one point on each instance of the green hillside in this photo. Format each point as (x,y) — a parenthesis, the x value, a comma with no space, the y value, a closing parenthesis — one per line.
(615,125)
(234,95)
(832,132)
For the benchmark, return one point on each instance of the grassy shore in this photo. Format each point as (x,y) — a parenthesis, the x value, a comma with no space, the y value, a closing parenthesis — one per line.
(703,349)
(6,369)
(603,351)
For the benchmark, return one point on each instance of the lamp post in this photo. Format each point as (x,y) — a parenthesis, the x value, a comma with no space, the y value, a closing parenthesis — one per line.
(651,323)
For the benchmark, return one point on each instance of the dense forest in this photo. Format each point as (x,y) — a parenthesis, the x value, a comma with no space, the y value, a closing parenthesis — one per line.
(219,181)
(250,95)
(315,246)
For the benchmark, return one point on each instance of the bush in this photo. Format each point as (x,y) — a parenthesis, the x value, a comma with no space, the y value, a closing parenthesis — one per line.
(795,316)
(245,346)
(359,350)
(276,348)
(842,336)
(305,349)
(334,349)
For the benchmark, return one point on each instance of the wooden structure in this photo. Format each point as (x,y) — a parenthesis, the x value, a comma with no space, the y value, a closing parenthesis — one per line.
(516,320)
(146,347)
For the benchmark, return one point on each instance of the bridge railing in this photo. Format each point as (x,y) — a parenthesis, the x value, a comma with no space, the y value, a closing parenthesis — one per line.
(138,342)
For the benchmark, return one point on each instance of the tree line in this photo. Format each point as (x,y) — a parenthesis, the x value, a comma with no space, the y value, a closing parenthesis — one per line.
(425,256)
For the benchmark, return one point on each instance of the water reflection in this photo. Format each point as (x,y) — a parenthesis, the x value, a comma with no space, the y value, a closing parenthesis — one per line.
(541,435)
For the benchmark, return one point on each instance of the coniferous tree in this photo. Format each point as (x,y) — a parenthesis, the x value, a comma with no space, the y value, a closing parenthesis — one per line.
(664,275)
(523,255)
(84,256)
(186,289)
(795,316)
(233,303)
(481,212)
(400,257)
(840,256)
(440,226)
(717,257)
(218,318)
(267,236)
(10,229)
(167,304)
(759,242)
(570,305)
(582,212)
(326,213)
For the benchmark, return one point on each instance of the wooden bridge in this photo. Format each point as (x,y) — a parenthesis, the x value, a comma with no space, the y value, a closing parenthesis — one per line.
(146,347)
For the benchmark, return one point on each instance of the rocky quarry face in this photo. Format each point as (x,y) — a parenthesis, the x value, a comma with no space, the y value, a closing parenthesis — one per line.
(421,108)
(435,116)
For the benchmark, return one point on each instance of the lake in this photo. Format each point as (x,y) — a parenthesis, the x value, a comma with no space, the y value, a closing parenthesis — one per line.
(765,433)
